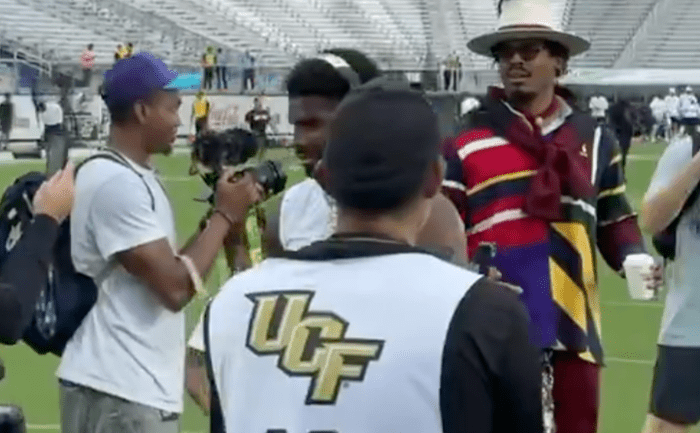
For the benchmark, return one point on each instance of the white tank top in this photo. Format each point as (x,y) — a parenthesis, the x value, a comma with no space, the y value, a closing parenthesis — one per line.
(307,215)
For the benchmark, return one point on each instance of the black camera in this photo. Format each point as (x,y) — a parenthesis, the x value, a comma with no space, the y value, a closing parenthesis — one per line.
(213,151)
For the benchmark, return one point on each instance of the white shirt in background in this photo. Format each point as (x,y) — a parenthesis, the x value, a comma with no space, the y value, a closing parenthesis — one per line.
(598,106)
(672,105)
(53,115)
(658,108)
(688,106)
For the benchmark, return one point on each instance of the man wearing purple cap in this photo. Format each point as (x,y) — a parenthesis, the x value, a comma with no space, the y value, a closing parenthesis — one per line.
(123,370)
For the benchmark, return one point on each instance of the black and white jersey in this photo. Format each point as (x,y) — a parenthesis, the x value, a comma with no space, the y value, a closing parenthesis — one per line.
(370,336)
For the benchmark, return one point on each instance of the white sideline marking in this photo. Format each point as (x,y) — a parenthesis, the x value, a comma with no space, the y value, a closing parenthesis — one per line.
(629,361)
(635,304)
(643,157)
(178,178)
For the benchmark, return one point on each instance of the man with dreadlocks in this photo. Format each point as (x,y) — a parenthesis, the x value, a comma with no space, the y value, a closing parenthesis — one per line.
(540,183)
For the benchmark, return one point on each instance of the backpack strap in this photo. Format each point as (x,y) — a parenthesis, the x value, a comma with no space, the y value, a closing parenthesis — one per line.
(115,156)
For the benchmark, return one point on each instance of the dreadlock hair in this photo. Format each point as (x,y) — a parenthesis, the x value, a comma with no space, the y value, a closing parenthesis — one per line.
(316,77)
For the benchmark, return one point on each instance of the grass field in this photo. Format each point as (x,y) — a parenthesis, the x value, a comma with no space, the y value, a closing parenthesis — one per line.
(629,328)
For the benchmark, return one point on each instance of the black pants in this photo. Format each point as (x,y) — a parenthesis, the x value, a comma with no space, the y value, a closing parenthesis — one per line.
(221,78)
(208,78)
(200,125)
(447,75)
(248,75)
(87,77)
(5,136)
(625,143)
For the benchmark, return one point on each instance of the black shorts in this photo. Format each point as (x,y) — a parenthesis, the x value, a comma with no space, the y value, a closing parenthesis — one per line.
(675,390)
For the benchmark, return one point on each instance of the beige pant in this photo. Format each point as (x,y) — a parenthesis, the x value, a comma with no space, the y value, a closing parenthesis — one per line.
(84,410)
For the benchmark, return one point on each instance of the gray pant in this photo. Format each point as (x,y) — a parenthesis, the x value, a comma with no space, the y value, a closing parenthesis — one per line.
(84,410)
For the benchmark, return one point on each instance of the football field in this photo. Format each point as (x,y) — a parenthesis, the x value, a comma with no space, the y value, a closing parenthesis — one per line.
(629,327)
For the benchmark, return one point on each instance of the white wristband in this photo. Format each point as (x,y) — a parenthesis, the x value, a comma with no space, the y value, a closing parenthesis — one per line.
(194,275)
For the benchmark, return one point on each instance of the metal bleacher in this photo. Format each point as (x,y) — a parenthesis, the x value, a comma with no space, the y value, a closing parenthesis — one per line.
(672,41)
(398,34)
(608,24)
(50,36)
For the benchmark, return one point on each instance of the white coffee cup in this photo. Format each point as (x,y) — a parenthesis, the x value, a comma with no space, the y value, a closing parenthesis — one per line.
(638,268)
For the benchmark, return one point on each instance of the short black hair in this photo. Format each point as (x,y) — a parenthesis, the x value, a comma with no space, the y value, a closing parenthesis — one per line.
(380,146)
(90,46)
(316,77)
(121,113)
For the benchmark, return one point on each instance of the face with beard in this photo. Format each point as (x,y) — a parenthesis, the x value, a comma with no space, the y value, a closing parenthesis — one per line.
(527,67)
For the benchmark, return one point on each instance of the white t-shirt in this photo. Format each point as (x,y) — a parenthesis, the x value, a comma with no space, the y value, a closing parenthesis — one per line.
(129,345)
(307,215)
(672,105)
(658,108)
(688,106)
(598,105)
(53,115)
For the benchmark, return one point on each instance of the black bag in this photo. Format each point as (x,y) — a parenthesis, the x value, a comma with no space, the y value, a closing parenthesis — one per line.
(68,295)
(665,241)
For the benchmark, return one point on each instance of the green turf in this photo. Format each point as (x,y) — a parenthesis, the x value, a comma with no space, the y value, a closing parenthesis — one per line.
(629,328)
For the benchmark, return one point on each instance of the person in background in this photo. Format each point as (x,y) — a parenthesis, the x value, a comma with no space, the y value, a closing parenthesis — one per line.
(51,115)
(658,110)
(201,107)
(689,108)
(221,62)
(209,64)
(118,53)
(673,108)
(258,118)
(7,114)
(87,62)
(447,72)
(128,50)
(598,106)
(535,190)
(248,71)
(622,122)
(23,274)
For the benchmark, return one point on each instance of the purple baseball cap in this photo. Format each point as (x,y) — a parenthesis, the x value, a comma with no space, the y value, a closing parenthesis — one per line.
(137,77)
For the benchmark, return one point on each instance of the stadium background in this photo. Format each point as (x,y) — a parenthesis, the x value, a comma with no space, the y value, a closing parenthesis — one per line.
(639,48)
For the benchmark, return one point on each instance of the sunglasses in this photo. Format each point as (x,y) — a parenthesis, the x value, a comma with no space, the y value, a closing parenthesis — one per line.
(526,51)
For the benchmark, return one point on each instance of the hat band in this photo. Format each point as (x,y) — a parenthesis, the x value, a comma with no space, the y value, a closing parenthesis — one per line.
(526,27)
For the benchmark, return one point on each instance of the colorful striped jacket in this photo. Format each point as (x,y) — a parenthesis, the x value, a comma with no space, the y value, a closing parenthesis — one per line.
(554,263)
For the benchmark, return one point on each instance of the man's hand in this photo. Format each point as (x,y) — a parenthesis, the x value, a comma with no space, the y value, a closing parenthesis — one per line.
(235,197)
(655,279)
(55,196)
